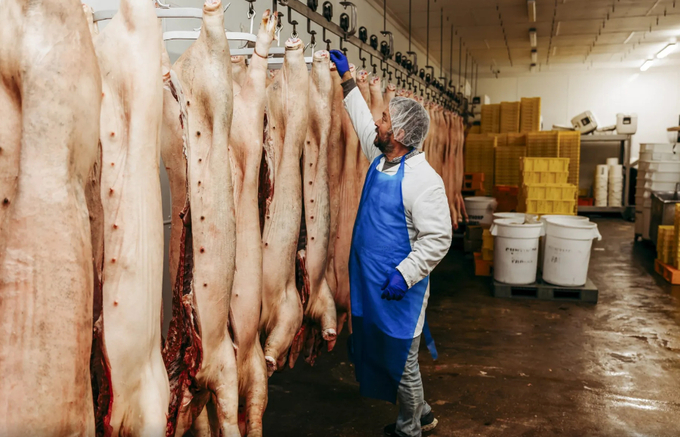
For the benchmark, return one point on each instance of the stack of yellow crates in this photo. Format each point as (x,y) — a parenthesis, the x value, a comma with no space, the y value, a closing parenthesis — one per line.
(543,144)
(544,187)
(570,147)
(510,115)
(517,140)
(530,115)
(487,245)
(507,165)
(491,119)
(479,157)
(665,251)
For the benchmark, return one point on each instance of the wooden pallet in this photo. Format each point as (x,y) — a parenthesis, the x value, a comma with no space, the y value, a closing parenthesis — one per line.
(544,291)
(669,273)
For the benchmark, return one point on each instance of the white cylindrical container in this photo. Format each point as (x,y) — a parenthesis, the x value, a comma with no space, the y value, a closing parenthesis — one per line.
(567,251)
(601,185)
(480,210)
(515,252)
(544,219)
(612,161)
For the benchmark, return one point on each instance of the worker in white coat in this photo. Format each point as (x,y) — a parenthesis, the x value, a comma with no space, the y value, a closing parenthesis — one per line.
(402,231)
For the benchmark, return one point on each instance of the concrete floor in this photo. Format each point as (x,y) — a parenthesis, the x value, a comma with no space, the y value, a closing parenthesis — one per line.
(520,367)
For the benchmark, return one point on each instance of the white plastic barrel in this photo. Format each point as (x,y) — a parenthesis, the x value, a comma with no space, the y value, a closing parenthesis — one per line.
(543,219)
(517,217)
(567,251)
(480,210)
(515,252)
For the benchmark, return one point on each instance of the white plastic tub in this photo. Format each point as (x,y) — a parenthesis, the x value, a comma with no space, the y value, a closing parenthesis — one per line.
(660,148)
(567,251)
(515,253)
(663,166)
(656,176)
(658,156)
(480,210)
(544,219)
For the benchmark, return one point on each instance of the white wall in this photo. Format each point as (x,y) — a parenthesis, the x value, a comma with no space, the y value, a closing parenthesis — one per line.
(654,95)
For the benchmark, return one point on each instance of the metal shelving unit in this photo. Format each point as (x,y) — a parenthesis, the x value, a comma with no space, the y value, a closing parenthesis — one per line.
(597,146)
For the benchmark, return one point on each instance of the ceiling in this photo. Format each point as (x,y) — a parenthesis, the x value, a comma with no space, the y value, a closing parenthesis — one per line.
(572,34)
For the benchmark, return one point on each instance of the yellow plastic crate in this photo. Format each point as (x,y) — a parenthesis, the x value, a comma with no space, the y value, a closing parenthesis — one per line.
(507,168)
(501,139)
(544,164)
(517,140)
(487,240)
(510,117)
(491,119)
(570,147)
(487,255)
(538,206)
(530,114)
(550,191)
(543,144)
(544,177)
(479,157)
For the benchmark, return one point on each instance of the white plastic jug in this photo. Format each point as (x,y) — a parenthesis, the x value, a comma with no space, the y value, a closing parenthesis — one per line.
(515,255)
(567,251)
(480,210)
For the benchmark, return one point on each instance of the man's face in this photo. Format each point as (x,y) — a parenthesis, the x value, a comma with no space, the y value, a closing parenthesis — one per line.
(383,128)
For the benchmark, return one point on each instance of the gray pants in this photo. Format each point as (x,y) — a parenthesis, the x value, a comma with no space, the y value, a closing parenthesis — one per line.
(412,405)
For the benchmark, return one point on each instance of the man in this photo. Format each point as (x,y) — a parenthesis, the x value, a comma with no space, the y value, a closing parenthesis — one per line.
(402,231)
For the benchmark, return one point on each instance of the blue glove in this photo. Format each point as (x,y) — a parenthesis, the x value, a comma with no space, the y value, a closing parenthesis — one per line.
(340,61)
(394,287)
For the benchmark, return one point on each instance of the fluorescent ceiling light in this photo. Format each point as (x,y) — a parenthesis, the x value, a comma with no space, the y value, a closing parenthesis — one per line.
(532,68)
(670,48)
(531,6)
(648,63)
(629,37)
(534,56)
(533,38)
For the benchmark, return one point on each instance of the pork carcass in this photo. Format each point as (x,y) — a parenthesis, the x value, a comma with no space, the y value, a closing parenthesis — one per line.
(50,93)
(349,194)
(390,93)
(319,307)
(377,103)
(246,142)
(287,108)
(204,71)
(131,113)
(336,160)
(362,84)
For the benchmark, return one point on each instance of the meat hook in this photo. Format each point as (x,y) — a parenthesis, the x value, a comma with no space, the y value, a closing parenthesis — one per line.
(342,47)
(312,33)
(362,59)
(352,28)
(375,66)
(161,5)
(293,23)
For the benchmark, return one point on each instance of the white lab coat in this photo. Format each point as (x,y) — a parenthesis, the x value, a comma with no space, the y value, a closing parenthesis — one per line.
(426,207)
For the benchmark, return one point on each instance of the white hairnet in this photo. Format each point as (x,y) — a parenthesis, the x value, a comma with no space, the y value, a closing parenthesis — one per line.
(411,117)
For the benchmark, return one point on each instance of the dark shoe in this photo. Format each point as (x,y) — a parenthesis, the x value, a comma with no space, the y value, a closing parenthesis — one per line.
(427,423)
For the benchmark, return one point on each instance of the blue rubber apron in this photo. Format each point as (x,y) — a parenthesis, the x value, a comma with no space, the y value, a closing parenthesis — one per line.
(382,330)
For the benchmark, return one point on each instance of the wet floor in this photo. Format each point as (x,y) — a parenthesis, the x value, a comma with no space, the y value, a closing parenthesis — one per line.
(520,367)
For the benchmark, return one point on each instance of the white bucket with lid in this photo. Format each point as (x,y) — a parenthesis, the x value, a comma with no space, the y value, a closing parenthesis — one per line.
(567,251)
(543,220)
(516,217)
(480,210)
(515,252)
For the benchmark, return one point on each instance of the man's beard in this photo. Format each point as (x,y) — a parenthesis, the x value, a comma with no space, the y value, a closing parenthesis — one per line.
(384,145)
